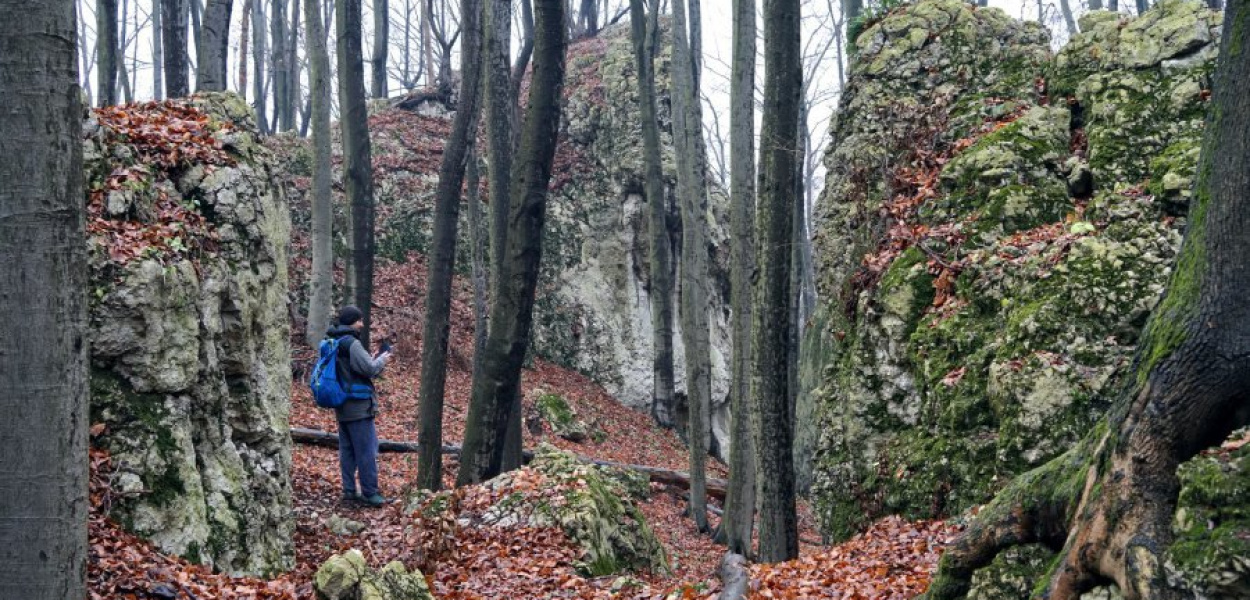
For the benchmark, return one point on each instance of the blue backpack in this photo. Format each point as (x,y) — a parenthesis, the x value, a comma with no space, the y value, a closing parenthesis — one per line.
(329,388)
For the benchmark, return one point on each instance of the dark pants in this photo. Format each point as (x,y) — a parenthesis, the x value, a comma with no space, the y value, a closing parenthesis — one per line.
(358,452)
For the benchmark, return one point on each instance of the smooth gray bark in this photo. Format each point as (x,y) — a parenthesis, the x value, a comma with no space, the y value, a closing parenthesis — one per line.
(259,51)
(321,280)
(497,380)
(158,52)
(357,152)
(739,516)
(214,43)
(692,194)
(779,160)
(43,262)
(442,254)
(106,51)
(381,43)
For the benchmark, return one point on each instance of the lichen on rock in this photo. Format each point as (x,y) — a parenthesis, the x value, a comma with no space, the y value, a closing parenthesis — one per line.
(593,505)
(346,576)
(996,226)
(190,354)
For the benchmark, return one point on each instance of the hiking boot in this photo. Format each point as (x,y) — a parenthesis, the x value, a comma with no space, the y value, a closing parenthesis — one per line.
(351,497)
(374,500)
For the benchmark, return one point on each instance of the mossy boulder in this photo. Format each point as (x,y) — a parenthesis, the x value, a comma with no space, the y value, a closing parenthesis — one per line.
(564,422)
(594,506)
(1211,553)
(996,226)
(346,576)
(190,350)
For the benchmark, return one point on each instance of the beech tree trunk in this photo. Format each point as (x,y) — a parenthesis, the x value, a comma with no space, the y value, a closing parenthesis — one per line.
(442,255)
(740,505)
(174,37)
(357,155)
(106,51)
(214,44)
(500,104)
(497,380)
(43,262)
(692,192)
(381,43)
(321,280)
(1188,391)
(158,53)
(779,159)
(259,52)
(279,65)
(661,260)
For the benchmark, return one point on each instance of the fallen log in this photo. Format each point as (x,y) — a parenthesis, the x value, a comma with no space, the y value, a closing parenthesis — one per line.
(716,488)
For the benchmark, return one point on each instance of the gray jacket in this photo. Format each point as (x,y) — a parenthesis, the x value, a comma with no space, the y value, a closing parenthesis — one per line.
(364,368)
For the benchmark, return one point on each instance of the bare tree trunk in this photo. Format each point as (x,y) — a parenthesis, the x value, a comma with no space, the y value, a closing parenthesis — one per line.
(214,45)
(477,241)
(259,52)
(43,260)
(774,428)
(120,58)
(1192,370)
(280,67)
(692,192)
(293,67)
(245,22)
(158,52)
(197,10)
(442,256)
(1065,6)
(106,51)
(522,62)
(321,280)
(357,153)
(497,381)
(1143,6)
(381,43)
(174,34)
(740,504)
(661,260)
(427,54)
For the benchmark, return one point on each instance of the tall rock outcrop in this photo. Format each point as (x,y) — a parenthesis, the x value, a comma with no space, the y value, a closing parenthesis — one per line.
(593,308)
(996,226)
(190,355)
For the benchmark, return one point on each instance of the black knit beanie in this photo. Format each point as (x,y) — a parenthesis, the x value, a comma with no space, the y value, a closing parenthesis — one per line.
(348,315)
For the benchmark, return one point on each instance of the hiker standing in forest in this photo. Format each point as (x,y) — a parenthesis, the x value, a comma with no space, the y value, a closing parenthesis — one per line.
(358,439)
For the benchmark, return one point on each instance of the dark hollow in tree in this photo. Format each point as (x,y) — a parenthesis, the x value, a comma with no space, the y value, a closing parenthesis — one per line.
(213,47)
(174,36)
(497,379)
(645,37)
(1109,502)
(442,255)
(43,262)
(779,159)
(357,155)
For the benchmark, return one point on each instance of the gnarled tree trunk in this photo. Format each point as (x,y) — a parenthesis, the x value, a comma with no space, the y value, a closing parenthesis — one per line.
(1111,500)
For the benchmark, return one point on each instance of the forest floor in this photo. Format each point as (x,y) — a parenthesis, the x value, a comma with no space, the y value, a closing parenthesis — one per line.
(893,559)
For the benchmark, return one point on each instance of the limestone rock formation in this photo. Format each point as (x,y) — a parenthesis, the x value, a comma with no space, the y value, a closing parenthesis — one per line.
(593,306)
(190,358)
(346,577)
(996,226)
